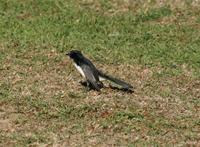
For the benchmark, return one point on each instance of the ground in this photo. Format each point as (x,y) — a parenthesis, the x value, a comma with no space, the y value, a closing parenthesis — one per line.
(154,45)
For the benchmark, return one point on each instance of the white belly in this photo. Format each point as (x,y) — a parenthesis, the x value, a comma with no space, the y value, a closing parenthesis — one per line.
(79,69)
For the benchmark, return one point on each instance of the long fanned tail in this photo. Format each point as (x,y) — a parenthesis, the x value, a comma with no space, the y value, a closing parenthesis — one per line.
(124,85)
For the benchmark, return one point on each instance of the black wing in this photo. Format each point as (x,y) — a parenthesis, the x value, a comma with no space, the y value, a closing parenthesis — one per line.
(91,76)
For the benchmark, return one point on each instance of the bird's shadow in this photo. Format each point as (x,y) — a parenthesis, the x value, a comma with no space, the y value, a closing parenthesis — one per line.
(84,83)
(121,89)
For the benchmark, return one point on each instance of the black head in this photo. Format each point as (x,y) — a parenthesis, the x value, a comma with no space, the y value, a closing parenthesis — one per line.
(74,54)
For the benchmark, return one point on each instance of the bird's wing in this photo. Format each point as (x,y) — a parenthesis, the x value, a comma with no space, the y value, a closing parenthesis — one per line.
(91,77)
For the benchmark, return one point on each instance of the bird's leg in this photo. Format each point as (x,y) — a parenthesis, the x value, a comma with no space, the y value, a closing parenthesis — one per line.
(100,84)
(88,86)
(84,83)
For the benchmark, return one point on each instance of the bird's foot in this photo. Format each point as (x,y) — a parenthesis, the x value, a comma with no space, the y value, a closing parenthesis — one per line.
(84,83)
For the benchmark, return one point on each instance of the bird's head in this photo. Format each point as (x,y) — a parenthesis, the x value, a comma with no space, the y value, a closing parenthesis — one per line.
(74,54)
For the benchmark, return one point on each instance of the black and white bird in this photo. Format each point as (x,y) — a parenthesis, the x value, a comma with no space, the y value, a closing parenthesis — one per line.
(92,75)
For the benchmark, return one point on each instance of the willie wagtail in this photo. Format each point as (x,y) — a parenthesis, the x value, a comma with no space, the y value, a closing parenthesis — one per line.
(92,75)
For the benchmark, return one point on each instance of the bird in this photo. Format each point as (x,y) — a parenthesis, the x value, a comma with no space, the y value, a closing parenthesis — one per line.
(94,77)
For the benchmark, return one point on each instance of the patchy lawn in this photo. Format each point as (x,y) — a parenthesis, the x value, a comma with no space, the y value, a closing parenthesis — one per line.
(152,45)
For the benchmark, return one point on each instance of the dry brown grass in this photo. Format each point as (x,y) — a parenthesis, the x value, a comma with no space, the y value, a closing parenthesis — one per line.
(42,102)
(50,104)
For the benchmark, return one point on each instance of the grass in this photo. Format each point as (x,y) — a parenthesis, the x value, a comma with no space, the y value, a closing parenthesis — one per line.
(152,45)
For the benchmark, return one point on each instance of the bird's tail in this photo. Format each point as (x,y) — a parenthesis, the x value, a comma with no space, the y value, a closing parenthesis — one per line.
(124,85)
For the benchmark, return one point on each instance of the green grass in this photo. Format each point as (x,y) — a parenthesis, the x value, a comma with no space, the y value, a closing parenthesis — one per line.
(153,46)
